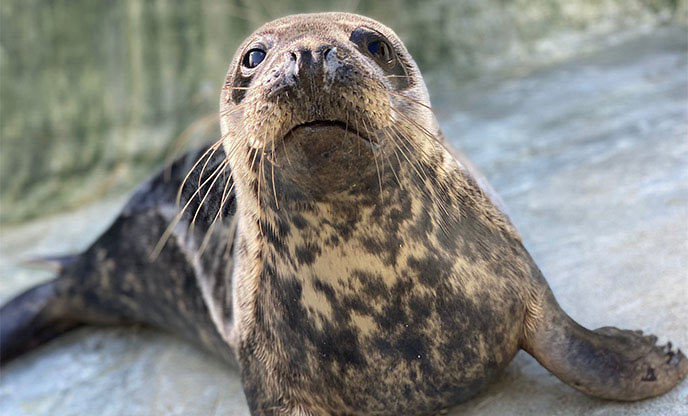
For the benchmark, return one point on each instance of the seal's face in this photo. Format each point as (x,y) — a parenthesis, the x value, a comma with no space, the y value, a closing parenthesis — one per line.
(321,101)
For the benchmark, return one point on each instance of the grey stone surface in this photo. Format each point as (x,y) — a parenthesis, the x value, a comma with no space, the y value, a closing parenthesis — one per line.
(591,157)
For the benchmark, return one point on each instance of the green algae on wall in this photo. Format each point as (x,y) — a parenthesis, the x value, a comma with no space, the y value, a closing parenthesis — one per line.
(94,95)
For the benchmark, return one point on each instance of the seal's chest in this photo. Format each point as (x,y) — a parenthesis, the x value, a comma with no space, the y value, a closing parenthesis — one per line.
(349,319)
(375,304)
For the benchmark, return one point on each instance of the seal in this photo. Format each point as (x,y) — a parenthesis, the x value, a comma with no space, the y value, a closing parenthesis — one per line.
(339,250)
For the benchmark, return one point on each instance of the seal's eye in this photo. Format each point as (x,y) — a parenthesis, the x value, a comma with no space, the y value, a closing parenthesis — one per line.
(380,50)
(253,58)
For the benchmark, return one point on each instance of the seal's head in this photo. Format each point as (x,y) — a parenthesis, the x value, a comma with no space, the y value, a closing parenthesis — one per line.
(314,105)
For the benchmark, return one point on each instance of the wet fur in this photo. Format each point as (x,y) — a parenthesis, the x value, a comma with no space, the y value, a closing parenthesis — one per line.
(347,276)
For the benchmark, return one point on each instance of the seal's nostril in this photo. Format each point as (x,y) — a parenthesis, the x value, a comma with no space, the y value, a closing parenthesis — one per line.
(303,60)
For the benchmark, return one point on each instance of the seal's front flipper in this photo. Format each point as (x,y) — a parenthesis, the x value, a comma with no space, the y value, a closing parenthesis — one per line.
(32,319)
(608,362)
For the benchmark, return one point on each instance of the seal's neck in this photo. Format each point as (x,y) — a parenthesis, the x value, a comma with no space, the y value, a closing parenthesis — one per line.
(292,253)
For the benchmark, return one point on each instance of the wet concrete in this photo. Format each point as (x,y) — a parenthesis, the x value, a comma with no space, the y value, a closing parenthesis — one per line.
(591,158)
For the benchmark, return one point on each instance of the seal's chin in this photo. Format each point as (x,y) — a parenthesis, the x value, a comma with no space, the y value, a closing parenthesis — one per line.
(330,142)
(330,129)
(321,157)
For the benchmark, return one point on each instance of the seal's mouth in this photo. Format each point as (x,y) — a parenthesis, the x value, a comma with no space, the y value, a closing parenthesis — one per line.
(326,128)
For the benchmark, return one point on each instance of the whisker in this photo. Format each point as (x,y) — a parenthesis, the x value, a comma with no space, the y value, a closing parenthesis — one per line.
(284,146)
(233,109)
(168,231)
(225,195)
(233,147)
(212,149)
(421,128)
(261,170)
(388,136)
(260,185)
(255,155)
(205,165)
(182,138)
(403,97)
(404,143)
(377,167)
(192,225)
(207,154)
(272,167)
(424,179)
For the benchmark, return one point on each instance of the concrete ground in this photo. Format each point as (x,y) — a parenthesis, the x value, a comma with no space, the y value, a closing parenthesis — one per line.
(591,156)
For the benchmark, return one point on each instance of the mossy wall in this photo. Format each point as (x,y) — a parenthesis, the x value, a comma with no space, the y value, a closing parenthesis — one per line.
(95,94)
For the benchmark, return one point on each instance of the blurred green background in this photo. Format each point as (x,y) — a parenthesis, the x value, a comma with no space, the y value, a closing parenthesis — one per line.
(95,94)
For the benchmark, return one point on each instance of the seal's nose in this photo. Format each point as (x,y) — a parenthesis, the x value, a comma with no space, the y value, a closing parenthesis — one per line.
(310,60)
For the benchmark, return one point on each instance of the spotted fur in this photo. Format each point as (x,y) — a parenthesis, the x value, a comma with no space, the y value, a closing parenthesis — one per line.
(359,266)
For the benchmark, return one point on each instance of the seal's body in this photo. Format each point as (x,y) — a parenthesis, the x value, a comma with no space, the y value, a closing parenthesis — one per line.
(115,281)
(354,265)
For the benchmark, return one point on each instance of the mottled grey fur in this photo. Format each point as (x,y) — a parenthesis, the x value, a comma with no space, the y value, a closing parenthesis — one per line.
(357,266)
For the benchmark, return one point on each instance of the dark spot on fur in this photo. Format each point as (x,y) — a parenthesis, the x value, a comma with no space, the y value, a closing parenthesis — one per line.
(299,221)
(283,227)
(411,346)
(307,253)
(420,307)
(393,315)
(373,285)
(650,375)
(340,345)
(423,225)
(325,288)
(372,245)
(272,235)
(430,269)
(383,346)
(333,241)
